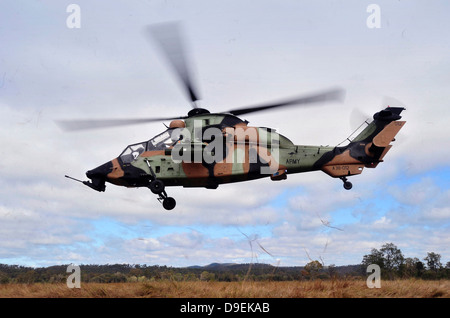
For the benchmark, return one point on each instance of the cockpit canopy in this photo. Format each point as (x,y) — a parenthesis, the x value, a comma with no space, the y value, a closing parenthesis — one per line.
(159,142)
(170,136)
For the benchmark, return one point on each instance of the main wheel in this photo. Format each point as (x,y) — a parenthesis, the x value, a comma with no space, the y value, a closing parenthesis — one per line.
(156,186)
(169,203)
(348,185)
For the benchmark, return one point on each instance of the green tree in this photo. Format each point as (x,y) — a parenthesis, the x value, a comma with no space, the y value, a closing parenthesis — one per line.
(207,276)
(389,258)
(433,261)
(375,257)
(313,268)
(393,257)
(413,267)
(4,279)
(28,277)
(420,268)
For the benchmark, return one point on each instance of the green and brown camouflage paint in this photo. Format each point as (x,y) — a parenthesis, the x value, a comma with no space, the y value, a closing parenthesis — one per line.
(247,153)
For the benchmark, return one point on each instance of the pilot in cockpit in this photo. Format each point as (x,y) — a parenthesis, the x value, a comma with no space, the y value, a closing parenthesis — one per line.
(136,153)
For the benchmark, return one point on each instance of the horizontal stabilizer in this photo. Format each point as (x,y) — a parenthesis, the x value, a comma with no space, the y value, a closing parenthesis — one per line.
(384,137)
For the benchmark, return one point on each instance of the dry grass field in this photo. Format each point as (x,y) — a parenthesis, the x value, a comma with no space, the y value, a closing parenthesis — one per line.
(171,289)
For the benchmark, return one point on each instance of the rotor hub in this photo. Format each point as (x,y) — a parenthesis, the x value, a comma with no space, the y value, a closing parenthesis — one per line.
(197,111)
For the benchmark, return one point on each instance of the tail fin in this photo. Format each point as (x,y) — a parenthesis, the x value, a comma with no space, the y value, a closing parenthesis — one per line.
(367,149)
(386,125)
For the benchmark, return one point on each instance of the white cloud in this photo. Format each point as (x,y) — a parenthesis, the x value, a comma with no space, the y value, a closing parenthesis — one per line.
(440,214)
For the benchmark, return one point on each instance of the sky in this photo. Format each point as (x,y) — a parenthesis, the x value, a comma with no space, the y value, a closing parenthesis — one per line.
(242,53)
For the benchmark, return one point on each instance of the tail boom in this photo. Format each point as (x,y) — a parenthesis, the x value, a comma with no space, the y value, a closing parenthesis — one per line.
(367,150)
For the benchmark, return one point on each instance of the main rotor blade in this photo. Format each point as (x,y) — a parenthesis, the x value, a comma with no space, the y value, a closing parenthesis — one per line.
(331,95)
(73,125)
(168,37)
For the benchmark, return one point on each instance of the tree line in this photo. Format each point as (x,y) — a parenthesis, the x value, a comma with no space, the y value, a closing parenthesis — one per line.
(393,264)
(390,259)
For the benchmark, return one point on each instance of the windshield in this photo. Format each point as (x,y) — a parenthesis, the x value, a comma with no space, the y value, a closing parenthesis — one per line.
(159,142)
(132,152)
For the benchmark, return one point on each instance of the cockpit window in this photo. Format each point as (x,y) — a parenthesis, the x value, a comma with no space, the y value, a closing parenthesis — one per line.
(162,141)
(159,142)
(132,152)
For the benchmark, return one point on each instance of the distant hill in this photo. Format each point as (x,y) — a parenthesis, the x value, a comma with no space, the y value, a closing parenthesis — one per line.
(135,272)
(220,267)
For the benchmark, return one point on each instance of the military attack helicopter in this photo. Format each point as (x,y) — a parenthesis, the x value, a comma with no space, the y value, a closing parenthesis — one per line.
(204,149)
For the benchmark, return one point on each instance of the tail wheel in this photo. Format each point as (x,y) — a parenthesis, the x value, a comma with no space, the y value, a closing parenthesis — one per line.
(157,186)
(169,203)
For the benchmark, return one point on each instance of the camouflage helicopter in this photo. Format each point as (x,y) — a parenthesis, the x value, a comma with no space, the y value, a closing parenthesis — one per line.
(205,149)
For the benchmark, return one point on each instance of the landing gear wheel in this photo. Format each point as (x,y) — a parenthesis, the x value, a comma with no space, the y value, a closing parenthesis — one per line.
(169,203)
(347,185)
(157,186)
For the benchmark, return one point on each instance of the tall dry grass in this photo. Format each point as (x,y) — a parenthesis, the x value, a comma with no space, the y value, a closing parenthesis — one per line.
(293,289)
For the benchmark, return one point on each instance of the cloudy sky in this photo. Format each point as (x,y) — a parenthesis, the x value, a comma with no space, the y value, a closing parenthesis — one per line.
(242,53)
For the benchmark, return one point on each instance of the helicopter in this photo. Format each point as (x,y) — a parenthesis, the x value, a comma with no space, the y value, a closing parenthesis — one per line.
(207,149)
